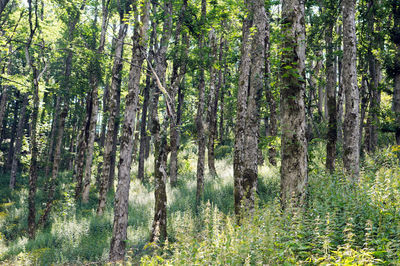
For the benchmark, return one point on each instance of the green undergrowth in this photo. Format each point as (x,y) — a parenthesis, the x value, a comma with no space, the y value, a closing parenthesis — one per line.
(342,224)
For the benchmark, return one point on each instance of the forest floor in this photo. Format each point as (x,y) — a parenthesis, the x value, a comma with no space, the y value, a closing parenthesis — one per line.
(342,223)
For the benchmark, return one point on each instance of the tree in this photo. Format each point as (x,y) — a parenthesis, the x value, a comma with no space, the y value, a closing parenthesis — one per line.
(351,127)
(113,109)
(251,82)
(139,41)
(159,132)
(294,145)
(330,88)
(201,138)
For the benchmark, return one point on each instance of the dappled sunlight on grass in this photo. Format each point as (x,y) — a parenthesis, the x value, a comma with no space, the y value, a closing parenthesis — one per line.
(332,228)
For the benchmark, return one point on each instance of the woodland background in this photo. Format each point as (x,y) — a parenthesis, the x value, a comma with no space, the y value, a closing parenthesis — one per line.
(200,132)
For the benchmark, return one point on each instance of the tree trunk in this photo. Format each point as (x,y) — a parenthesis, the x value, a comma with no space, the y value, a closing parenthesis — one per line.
(340,96)
(331,98)
(247,120)
(4,96)
(395,36)
(136,134)
(119,236)
(143,128)
(212,105)
(364,104)
(18,144)
(221,134)
(244,70)
(10,154)
(294,143)
(396,105)
(374,106)
(95,78)
(161,149)
(90,141)
(54,123)
(351,125)
(80,154)
(201,138)
(273,124)
(33,163)
(176,79)
(112,108)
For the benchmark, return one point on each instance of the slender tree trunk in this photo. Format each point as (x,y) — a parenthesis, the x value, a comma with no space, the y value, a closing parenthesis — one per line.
(396,105)
(340,97)
(294,143)
(212,106)
(50,153)
(4,95)
(273,124)
(395,36)
(34,156)
(199,116)
(351,126)
(112,108)
(119,236)
(161,148)
(374,106)
(314,82)
(222,103)
(176,79)
(143,128)
(364,104)
(90,141)
(331,98)
(10,154)
(95,78)
(18,144)
(80,155)
(136,134)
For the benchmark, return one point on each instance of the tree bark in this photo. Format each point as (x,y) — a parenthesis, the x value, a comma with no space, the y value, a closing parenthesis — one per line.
(161,149)
(351,126)
(80,154)
(294,143)
(374,106)
(49,158)
(143,128)
(201,138)
(340,96)
(395,36)
(35,76)
(223,87)
(95,77)
(331,98)
(10,154)
(178,71)
(247,120)
(273,124)
(112,108)
(212,105)
(139,40)
(18,144)
(4,97)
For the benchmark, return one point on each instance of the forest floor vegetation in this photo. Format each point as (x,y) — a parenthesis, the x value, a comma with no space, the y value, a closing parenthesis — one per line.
(342,224)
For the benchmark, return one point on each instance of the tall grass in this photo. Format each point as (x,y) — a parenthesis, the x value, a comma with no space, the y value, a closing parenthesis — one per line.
(341,224)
